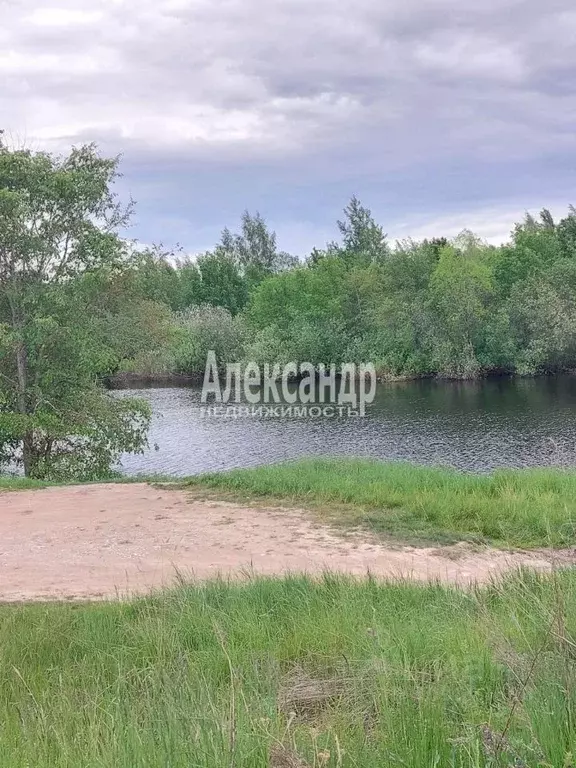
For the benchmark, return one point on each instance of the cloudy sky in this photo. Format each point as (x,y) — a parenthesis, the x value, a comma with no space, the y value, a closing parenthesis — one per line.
(438,114)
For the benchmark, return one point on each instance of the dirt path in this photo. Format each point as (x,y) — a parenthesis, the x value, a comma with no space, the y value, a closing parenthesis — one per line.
(100,540)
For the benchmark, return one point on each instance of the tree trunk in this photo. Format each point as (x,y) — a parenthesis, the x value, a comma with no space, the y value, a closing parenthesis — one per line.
(27,442)
(22,387)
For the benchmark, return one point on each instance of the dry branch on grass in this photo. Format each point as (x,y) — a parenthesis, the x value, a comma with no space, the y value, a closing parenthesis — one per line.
(305,695)
(284,757)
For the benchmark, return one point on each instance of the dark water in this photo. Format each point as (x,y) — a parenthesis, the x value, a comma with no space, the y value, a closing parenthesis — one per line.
(469,425)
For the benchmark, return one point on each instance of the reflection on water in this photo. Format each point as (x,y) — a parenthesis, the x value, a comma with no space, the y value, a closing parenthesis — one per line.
(469,425)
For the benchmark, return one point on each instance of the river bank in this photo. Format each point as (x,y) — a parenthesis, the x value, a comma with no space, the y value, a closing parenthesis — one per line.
(104,540)
(395,501)
(398,501)
(352,516)
(129,380)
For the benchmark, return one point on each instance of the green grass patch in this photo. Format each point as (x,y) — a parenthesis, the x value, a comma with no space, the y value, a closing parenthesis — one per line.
(14,483)
(10,483)
(509,508)
(340,673)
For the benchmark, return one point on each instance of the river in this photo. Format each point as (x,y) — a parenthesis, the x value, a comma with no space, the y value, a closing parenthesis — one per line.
(475,426)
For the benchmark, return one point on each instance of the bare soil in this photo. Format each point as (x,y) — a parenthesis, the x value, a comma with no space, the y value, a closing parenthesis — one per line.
(96,541)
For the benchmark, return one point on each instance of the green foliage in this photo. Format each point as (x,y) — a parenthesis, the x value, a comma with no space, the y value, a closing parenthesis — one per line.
(215,278)
(363,240)
(190,293)
(222,283)
(400,318)
(65,315)
(254,250)
(202,329)
(543,316)
(124,328)
(453,308)
(457,308)
(155,278)
(535,246)
(312,293)
(314,313)
(460,290)
(83,443)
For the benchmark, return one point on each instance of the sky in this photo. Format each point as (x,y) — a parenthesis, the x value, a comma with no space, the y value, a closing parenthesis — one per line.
(437,114)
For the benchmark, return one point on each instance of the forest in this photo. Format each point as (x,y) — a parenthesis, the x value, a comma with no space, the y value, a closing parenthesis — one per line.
(454,308)
(81,303)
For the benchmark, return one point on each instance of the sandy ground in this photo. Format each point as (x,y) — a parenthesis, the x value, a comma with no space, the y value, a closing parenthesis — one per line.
(101,540)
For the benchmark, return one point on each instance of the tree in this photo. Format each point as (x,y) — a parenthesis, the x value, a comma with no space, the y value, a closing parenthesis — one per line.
(542,314)
(190,284)
(131,332)
(222,284)
(566,232)
(59,222)
(203,329)
(363,241)
(157,277)
(309,314)
(460,289)
(315,293)
(254,250)
(398,339)
(534,248)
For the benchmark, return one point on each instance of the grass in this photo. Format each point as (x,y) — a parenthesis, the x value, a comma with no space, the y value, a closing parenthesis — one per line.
(279,673)
(10,483)
(18,483)
(509,508)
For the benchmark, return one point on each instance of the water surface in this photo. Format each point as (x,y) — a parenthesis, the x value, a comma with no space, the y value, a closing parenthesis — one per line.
(475,426)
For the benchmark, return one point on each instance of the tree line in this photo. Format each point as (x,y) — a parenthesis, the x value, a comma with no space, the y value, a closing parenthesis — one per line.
(79,303)
(455,308)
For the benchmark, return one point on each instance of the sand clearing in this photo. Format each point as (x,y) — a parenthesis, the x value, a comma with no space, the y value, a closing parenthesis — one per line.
(100,540)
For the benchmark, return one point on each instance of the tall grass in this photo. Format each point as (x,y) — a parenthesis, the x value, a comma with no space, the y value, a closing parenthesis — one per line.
(333,673)
(521,508)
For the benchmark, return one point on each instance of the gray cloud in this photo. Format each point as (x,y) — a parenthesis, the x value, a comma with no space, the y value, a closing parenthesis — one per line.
(286,105)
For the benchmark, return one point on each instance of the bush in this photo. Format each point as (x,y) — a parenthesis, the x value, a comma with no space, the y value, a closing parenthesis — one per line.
(204,328)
